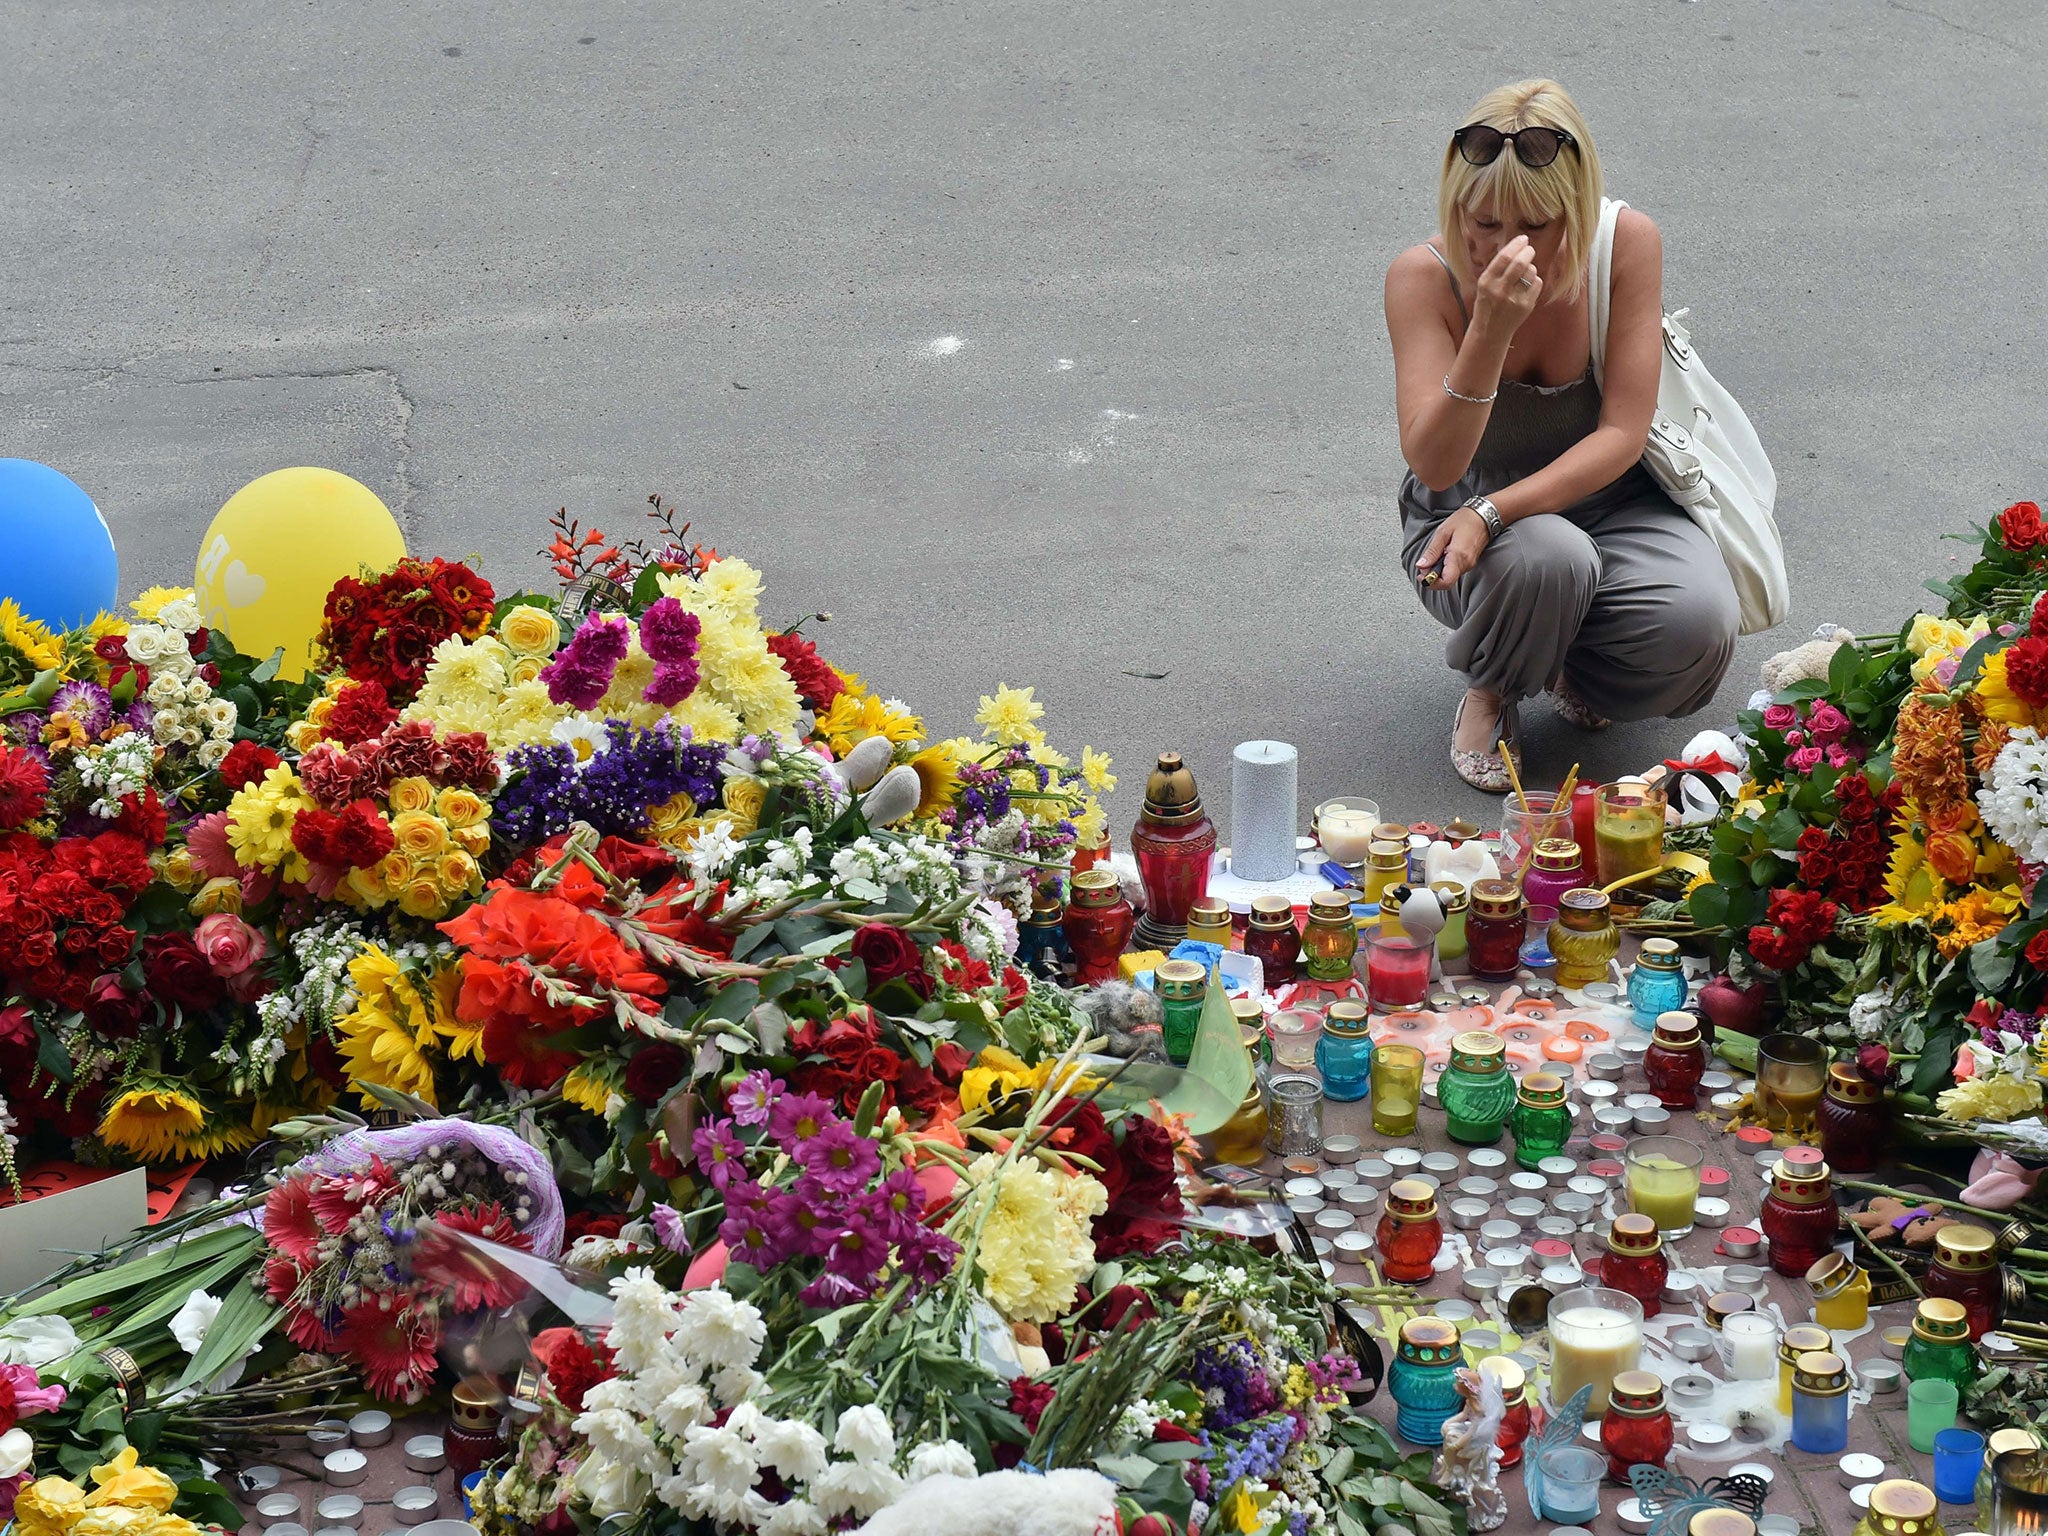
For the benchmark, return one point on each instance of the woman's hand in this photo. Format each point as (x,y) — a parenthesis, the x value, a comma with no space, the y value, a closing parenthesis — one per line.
(1509,289)
(1459,540)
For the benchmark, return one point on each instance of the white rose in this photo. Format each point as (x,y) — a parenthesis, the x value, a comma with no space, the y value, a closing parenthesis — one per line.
(164,691)
(610,1488)
(192,1320)
(149,644)
(181,614)
(943,1458)
(17,1449)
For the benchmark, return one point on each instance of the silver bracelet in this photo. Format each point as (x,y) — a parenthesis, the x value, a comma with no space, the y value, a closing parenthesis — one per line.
(1489,514)
(1470,399)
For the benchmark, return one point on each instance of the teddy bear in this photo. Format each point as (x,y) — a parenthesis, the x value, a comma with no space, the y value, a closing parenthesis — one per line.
(1885,1217)
(1803,663)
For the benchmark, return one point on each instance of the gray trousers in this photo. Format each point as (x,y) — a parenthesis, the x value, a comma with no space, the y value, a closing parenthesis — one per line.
(1622,595)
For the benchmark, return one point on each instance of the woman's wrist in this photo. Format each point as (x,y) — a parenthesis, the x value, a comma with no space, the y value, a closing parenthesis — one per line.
(1488,514)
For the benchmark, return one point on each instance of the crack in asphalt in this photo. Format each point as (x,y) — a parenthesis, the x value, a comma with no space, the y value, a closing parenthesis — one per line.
(1988,37)
(315,137)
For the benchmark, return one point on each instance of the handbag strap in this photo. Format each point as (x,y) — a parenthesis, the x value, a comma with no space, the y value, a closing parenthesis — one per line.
(1600,285)
(1440,261)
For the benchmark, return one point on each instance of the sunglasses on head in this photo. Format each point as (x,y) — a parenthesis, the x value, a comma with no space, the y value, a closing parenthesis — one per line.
(1481,143)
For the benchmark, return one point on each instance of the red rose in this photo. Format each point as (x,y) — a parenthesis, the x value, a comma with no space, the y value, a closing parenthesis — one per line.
(1172,1434)
(1028,1400)
(178,971)
(246,763)
(1123,1308)
(1079,1128)
(591,1224)
(113,1011)
(950,1061)
(1813,840)
(890,954)
(2019,525)
(654,1070)
(2037,950)
(2026,670)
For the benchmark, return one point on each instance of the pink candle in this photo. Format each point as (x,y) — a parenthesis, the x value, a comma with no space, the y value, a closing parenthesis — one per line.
(1397,970)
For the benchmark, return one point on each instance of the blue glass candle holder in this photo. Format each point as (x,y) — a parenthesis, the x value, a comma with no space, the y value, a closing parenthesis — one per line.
(1657,984)
(1958,1456)
(1424,1378)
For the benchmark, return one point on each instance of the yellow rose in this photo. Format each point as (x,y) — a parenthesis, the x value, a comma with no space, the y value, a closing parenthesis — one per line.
(475,840)
(171,1525)
(458,874)
(671,813)
(219,894)
(177,869)
(301,735)
(525,669)
(365,887)
(419,835)
(318,711)
(396,869)
(48,1507)
(123,1482)
(114,1520)
(530,631)
(461,807)
(744,798)
(423,897)
(411,795)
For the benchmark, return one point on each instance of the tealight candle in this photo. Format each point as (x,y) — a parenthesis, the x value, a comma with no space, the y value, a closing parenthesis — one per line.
(1692,1345)
(1469,1215)
(1589,1186)
(1716,1082)
(425,1453)
(1652,1122)
(1557,1229)
(370,1427)
(1707,1212)
(1641,1101)
(1741,1243)
(1615,1120)
(274,1507)
(1341,1149)
(1879,1375)
(1523,1213)
(1744,1278)
(286,1528)
(1561,1276)
(1443,1164)
(415,1504)
(1508,1260)
(1478,1187)
(1334,1221)
(1497,1233)
(1480,1284)
(1755,1469)
(1302,1186)
(1597,1095)
(1374,1171)
(1859,1467)
(328,1435)
(1336,1178)
(1557,1171)
(1305,1205)
(1320,1247)
(1691,1391)
(1708,1436)
(259,1480)
(1454,1310)
(1606,1067)
(1551,1250)
(1859,1494)
(335,1530)
(1302,1167)
(1358,1198)
(1525,1182)
(1486,1160)
(344,1468)
(1403,1160)
(340,1509)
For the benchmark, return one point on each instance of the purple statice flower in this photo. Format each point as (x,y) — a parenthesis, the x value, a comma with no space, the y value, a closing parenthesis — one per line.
(839,1158)
(1230,1376)
(748,1230)
(1297,1523)
(545,790)
(721,1154)
(88,704)
(757,748)
(754,1096)
(668,1229)
(669,636)
(1260,1454)
(797,1118)
(582,670)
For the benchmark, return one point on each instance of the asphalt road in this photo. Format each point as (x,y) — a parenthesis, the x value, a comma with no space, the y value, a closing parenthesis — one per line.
(1040,343)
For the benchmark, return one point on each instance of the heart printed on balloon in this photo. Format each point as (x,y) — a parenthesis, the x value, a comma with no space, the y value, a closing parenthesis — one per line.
(241,585)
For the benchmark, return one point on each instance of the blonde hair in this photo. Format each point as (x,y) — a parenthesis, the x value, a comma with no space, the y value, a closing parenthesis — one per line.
(1568,188)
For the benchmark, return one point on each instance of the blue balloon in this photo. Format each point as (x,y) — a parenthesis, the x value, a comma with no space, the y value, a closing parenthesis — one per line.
(56,556)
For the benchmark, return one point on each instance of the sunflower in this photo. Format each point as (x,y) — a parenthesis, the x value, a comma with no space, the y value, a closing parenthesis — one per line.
(156,1121)
(589,1086)
(38,647)
(938,779)
(219,1135)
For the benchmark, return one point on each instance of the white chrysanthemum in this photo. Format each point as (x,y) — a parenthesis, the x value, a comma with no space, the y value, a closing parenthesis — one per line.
(687,1407)
(642,1319)
(798,1517)
(736,1383)
(2014,797)
(720,1329)
(794,1449)
(615,1434)
(940,1458)
(720,1455)
(856,1488)
(864,1434)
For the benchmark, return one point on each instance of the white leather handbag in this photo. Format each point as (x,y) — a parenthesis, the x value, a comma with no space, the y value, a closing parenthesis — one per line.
(1703,452)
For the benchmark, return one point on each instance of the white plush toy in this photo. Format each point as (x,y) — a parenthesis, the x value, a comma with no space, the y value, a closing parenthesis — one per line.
(1070,1502)
(1704,776)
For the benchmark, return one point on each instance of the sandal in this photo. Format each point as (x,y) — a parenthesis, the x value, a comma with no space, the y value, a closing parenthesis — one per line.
(1576,710)
(1486,771)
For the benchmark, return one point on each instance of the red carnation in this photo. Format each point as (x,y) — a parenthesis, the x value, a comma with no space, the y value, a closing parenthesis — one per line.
(246,763)
(814,677)
(24,783)
(2026,670)
(2019,525)
(2037,623)
(1028,1400)
(360,711)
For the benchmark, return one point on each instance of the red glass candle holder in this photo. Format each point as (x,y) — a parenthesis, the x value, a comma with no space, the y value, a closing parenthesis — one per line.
(1852,1119)
(1172,843)
(1635,1261)
(1397,970)
(1799,1216)
(1410,1235)
(1675,1061)
(1965,1269)
(1097,924)
(1637,1429)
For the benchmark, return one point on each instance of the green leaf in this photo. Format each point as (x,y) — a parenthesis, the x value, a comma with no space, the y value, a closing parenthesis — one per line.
(1129,1470)
(1974,659)
(1937,1059)
(52,1058)
(107,1286)
(1784,828)
(205,1500)
(1709,906)
(1729,869)
(1991,964)
(266,669)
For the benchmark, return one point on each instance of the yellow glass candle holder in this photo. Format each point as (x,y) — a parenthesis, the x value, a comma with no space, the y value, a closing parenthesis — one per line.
(1396,1089)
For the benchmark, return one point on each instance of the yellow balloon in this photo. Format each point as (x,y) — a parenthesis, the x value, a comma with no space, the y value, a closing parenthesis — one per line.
(271,554)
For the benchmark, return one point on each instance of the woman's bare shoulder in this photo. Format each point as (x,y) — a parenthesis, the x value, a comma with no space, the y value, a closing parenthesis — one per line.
(1635,233)
(1417,274)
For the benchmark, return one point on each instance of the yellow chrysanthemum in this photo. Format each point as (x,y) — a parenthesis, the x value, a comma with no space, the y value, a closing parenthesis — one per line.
(588,1087)
(151,601)
(733,588)
(761,691)
(1090,823)
(1999,702)
(153,1122)
(629,681)
(260,821)
(1010,715)
(1989,1098)
(41,649)
(1095,771)
(524,716)
(1970,919)
(708,718)
(1035,1247)
(938,778)
(1046,755)
(852,720)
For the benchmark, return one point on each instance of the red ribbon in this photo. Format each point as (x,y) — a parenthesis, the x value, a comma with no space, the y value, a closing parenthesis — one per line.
(1713,762)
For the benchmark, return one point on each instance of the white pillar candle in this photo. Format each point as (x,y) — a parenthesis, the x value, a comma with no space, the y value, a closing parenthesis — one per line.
(1264,809)
(1749,1347)
(1592,1344)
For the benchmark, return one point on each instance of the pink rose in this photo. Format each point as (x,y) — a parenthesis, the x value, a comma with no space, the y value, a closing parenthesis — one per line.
(230,945)
(1838,757)
(1795,738)
(1780,717)
(1827,723)
(1805,760)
